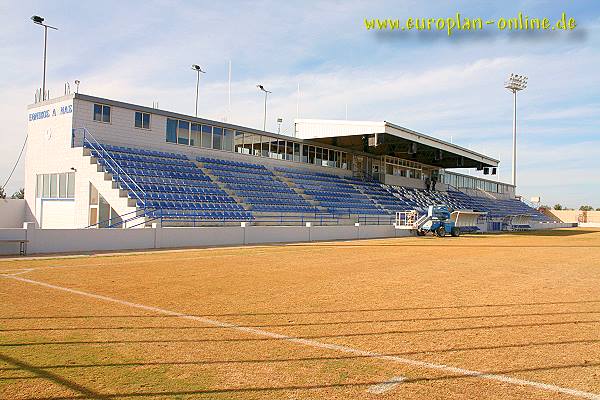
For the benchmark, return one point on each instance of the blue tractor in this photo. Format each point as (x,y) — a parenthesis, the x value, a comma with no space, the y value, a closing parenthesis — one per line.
(437,221)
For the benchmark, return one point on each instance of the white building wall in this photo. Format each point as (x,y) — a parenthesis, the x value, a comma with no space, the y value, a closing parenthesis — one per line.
(319,128)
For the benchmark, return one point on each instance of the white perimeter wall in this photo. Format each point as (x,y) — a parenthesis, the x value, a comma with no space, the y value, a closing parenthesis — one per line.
(90,240)
(12,213)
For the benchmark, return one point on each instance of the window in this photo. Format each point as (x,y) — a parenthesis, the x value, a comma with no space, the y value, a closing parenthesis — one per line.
(311,154)
(46,191)
(142,120)
(53,186)
(217,138)
(206,136)
(256,148)
(297,152)
(304,153)
(319,156)
(239,142)
(273,153)
(71,185)
(281,152)
(228,139)
(265,146)
(62,185)
(289,151)
(195,136)
(56,186)
(183,132)
(171,130)
(101,113)
(39,187)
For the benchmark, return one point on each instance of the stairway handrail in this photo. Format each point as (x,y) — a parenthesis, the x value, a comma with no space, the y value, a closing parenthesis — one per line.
(95,145)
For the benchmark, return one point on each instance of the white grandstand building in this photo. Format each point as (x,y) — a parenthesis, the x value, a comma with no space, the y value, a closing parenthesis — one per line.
(99,163)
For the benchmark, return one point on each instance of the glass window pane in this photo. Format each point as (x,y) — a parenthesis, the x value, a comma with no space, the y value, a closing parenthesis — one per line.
(138,119)
(183,132)
(103,212)
(172,130)
(289,150)
(71,185)
(273,152)
(318,156)
(105,114)
(53,186)
(97,112)
(62,185)
(46,192)
(239,142)
(281,152)
(115,219)
(265,146)
(304,153)
(311,154)
(146,121)
(207,136)
(256,145)
(228,141)
(217,138)
(93,195)
(297,152)
(195,136)
(39,187)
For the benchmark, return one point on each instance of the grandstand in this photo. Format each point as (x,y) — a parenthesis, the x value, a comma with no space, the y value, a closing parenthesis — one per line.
(185,171)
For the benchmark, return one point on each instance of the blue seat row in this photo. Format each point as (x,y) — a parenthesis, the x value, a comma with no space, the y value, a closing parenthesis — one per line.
(208,160)
(131,150)
(188,197)
(203,215)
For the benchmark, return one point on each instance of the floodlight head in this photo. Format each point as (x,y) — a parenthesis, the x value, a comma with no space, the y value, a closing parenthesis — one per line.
(197,68)
(261,87)
(516,82)
(77,81)
(37,19)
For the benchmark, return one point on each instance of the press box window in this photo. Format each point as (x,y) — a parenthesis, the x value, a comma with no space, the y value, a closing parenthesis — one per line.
(101,113)
(142,120)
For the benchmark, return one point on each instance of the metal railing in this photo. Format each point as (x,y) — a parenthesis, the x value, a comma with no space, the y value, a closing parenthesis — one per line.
(118,172)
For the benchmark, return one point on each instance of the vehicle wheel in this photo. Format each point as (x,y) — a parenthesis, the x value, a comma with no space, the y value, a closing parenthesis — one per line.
(420,233)
(455,231)
(441,231)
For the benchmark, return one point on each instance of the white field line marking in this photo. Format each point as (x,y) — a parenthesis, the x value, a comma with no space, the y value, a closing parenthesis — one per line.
(386,386)
(328,346)
(19,272)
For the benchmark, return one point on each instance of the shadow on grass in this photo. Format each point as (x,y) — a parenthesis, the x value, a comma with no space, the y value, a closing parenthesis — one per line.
(310,359)
(490,375)
(292,324)
(348,311)
(292,338)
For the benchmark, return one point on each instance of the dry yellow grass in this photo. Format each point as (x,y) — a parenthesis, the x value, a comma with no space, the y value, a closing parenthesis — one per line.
(525,306)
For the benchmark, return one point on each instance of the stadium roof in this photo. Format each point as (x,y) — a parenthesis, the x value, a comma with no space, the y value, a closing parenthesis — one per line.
(386,138)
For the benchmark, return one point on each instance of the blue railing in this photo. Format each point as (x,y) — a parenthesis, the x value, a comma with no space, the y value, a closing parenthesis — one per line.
(119,174)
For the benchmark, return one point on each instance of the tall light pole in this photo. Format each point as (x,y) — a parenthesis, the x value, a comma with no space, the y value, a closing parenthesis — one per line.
(197,68)
(40,21)
(515,83)
(261,87)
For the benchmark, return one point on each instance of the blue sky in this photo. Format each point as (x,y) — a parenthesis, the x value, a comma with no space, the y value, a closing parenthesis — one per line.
(141,52)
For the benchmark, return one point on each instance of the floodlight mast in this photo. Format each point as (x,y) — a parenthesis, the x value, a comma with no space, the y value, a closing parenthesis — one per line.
(198,69)
(40,21)
(515,83)
(262,88)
